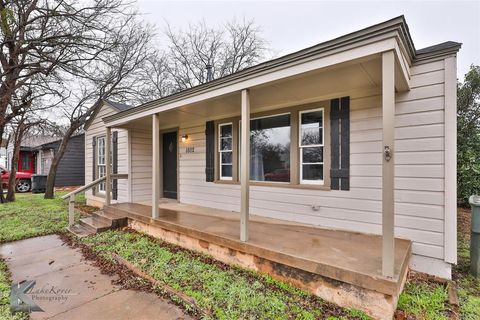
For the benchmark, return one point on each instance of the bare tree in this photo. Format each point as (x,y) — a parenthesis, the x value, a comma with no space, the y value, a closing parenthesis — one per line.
(115,72)
(228,49)
(155,78)
(41,37)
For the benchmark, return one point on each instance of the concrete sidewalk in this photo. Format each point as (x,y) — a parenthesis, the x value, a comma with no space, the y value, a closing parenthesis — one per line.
(76,289)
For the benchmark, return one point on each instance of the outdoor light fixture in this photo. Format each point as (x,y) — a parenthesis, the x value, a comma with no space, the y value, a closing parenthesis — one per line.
(184,137)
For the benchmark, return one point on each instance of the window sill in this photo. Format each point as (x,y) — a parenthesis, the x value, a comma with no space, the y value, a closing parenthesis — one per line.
(226,182)
(278,185)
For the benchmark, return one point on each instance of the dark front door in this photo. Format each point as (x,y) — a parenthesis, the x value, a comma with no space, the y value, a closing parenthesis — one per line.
(170,165)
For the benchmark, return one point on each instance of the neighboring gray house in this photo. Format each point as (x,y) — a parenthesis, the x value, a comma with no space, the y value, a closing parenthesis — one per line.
(37,152)
(71,170)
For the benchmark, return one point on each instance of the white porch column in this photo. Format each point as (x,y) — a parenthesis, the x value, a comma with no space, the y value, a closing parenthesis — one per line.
(245,166)
(155,164)
(388,169)
(108,167)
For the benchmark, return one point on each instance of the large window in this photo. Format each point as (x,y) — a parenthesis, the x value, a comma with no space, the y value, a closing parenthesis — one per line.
(285,148)
(311,146)
(225,148)
(270,148)
(101,162)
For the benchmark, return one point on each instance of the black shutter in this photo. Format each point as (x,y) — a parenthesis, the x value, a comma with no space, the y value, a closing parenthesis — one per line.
(210,151)
(345,143)
(335,141)
(115,164)
(340,141)
(94,160)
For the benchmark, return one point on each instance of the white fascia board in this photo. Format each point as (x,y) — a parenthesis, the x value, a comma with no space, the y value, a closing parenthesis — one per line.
(286,71)
(404,80)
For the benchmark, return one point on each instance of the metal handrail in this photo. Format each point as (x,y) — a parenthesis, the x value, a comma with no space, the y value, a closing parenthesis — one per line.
(84,188)
(71,195)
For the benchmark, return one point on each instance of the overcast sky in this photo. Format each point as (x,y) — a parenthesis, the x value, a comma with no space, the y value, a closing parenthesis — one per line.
(289,26)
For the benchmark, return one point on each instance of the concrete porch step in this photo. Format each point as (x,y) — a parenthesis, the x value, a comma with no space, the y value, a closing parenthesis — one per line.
(114,220)
(112,213)
(98,215)
(80,231)
(95,225)
(99,221)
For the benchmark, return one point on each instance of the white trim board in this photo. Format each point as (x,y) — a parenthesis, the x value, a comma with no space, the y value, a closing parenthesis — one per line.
(450,160)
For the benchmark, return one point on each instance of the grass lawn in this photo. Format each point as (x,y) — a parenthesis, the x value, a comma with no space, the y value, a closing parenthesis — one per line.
(227,292)
(29,216)
(426,299)
(223,291)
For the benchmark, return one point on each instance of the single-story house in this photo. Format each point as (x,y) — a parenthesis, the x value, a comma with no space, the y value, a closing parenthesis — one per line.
(37,152)
(27,161)
(333,167)
(71,169)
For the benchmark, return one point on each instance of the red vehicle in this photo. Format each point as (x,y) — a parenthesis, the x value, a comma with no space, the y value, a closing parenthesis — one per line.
(24,181)
(281,175)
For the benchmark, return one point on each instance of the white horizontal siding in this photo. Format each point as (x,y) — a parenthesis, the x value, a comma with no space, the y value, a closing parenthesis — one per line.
(141,168)
(419,167)
(97,128)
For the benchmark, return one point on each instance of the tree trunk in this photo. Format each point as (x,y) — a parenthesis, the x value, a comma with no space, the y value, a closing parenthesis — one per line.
(2,197)
(52,173)
(12,181)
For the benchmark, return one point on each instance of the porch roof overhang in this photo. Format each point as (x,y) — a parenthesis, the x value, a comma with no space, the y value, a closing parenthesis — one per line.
(358,47)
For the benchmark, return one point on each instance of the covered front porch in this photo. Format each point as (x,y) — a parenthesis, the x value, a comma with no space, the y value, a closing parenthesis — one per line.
(367,82)
(340,266)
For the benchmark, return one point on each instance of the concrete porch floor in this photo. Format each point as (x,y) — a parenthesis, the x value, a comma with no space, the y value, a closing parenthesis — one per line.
(349,257)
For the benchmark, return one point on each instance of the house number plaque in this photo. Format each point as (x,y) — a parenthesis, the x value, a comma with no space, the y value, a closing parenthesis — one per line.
(190,150)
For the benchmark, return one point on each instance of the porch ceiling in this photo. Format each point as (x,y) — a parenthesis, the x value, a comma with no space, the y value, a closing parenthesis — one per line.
(317,85)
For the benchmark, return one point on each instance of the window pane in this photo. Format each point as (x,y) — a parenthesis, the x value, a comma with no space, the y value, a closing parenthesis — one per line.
(312,127)
(270,149)
(101,150)
(312,119)
(312,172)
(226,144)
(312,155)
(226,170)
(25,163)
(101,173)
(311,136)
(226,157)
(226,131)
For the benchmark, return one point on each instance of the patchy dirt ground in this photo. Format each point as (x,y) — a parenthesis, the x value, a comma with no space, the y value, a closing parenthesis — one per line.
(463,221)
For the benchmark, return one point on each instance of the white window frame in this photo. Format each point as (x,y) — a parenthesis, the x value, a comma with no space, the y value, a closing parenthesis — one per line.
(101,186)
(220,151)
(300,147)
